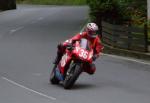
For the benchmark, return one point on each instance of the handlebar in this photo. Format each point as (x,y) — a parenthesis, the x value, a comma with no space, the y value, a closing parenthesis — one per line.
(70,47)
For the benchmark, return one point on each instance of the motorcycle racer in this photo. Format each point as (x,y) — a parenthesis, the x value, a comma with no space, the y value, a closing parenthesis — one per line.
(91,35)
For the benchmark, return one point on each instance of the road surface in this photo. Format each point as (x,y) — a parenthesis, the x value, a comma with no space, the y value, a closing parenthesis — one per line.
(28,40)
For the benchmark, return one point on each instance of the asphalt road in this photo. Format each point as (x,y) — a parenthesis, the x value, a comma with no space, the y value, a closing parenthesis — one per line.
(28,40)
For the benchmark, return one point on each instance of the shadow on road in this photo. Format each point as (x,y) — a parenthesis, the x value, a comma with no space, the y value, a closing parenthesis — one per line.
(83,86)
(78,86)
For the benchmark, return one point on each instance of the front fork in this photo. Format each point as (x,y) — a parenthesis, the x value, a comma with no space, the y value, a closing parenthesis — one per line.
(72,67)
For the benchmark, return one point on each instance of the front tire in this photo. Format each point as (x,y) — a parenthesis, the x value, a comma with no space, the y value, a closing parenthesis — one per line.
(72,76)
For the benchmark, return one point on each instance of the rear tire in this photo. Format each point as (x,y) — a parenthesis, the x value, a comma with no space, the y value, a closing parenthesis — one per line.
(70,79)
(53,78)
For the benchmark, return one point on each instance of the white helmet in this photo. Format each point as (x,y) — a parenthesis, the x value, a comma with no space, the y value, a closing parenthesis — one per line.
(92,29)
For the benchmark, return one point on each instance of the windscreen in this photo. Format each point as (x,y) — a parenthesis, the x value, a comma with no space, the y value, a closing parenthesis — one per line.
(84,44)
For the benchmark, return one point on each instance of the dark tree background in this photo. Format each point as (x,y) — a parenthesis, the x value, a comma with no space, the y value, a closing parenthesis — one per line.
(132,12)
(7,4)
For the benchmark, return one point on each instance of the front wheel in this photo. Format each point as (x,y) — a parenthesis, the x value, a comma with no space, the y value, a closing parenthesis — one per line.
(53,78)
(72,75)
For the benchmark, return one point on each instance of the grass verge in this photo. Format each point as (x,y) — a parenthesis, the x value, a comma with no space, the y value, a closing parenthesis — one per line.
(53,2)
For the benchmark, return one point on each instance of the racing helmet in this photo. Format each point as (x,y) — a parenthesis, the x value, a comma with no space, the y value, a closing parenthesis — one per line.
(92,30)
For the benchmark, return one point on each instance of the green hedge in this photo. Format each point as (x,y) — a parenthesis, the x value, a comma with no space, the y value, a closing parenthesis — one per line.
(7,4)
(114,11)
(127,12)
(107,10)
(54,2)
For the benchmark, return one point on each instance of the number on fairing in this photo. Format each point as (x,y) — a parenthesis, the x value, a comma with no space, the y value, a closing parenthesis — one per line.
(83,54)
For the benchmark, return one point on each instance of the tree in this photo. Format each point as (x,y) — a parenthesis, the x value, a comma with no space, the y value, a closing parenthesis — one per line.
(7,4)
(118,11)
(108,10)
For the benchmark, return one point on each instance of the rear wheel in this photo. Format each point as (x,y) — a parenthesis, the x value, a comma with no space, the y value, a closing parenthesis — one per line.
(53,78)
(72,75)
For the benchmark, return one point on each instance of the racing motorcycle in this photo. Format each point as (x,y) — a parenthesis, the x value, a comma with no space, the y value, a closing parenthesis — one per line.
(71,65)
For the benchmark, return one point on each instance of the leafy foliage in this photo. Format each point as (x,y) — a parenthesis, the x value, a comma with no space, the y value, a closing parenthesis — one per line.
(118,11)
(7,4)
(54,2)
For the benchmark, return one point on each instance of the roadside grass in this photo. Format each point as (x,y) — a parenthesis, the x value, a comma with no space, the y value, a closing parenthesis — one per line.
(53,2)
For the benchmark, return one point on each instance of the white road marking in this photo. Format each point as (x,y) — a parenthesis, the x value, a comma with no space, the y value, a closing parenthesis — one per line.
(39,19)
(129,59)
(19,85)
(14,30)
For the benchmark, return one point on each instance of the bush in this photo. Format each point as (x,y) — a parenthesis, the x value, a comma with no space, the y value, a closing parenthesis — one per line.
(118,11)
(7,4)
(54,2)
(107,10)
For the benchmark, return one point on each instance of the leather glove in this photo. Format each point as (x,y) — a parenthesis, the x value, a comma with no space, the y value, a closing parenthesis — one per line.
(69,46)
